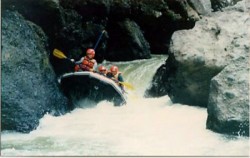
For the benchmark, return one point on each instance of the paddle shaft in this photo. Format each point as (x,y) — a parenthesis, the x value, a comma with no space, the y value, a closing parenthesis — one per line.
(98,41)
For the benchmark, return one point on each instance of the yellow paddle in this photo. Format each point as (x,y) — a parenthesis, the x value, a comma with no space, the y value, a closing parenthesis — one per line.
(127,85)
(57,53)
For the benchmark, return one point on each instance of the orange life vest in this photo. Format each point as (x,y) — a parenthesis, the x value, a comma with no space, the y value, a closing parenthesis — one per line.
(86,64)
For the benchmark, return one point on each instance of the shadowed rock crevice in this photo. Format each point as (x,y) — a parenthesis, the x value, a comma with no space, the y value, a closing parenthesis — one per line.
(161,85)
(126,36)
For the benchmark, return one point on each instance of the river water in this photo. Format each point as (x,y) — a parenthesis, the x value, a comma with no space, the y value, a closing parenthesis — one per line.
(143,127)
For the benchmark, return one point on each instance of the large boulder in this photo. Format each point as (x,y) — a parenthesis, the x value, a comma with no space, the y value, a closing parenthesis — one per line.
(45,13)
(228,104)
(29,88)
(127,42)
(199,54)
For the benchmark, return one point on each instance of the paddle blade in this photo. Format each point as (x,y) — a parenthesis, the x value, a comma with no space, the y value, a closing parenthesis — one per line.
(57,53)
(127,85)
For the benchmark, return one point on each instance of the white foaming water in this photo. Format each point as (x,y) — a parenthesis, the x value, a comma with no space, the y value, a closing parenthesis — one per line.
(143,127)
(139,72)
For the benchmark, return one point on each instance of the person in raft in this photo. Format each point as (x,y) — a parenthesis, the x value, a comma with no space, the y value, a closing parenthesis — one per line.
(116,76)
(102,70)
(87,63)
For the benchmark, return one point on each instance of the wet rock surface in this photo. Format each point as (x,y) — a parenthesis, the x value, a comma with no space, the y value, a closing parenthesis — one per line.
(29,89)
(134,29)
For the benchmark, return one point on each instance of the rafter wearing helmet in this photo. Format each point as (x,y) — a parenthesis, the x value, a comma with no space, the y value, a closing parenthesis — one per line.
(87,63)
(102,70)
(116,76)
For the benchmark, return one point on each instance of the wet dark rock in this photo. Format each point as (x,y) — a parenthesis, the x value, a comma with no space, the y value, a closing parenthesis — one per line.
(45,13)
(74,26)
(164,75)
(73,39)
(159,19)
(127,42)
(29,87)
(156,18)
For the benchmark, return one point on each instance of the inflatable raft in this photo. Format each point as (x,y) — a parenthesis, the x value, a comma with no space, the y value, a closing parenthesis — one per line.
(93,86)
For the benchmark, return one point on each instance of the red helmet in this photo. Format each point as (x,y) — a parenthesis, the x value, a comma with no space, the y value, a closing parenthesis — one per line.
(90,52)
(114,68)
(102,68)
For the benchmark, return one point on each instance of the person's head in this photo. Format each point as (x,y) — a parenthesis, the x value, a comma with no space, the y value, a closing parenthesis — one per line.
(102,69)
(114,69)
(90,53)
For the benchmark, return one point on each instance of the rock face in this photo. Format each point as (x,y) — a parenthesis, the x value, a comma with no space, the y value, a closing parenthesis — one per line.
(199,54)
(29,89)
(44,13)
(134,28)
(133,43)
(228,104)
(74,26)
(123,20)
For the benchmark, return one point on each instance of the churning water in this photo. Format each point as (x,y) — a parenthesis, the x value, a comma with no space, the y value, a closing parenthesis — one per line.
(144,127)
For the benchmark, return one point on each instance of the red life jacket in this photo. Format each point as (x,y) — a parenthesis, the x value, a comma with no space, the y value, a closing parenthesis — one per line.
(86,64)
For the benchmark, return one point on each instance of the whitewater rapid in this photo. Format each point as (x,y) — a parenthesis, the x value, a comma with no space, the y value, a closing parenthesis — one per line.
(143,127)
